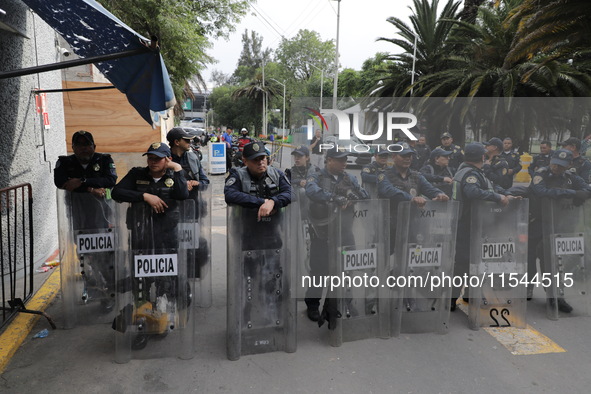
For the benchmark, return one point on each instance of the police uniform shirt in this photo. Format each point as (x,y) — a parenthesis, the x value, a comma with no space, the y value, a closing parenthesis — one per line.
(457,157)
(513,161)
(264,188)
(370,172)
(547,184)
(322,187)
(189,172)
(471,183)
(582,167)
(498,172)
(423,153)
(138,181)
(436,174)
(298,174)
(539,161)
(99,173)
(393,186)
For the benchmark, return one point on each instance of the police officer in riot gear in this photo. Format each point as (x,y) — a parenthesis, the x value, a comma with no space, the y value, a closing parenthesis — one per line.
(298,174)
(495,167)
(457,156)
(258,185)
(438,172)
(154,224)
(182,153)
(401,183)
(331,184)
(470,183)
(579,165)
(542,159)
(88,175)
(555,182)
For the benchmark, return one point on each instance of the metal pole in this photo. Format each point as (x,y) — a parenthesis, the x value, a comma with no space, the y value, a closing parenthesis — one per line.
(336,60)
(264,103)
(414,60)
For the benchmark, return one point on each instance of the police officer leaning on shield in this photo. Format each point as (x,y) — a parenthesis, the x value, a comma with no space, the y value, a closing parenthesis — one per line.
(257,185)
(470,183)
(85,170)
(555,182)
(332,184)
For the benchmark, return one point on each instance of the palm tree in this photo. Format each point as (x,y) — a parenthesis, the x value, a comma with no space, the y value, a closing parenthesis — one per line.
(256,91)
(556,27)
(431,32)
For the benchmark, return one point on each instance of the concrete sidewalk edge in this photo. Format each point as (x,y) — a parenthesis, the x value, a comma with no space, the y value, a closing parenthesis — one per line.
(18,330)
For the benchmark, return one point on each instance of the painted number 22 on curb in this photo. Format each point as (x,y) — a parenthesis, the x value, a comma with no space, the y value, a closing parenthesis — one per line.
(495,312)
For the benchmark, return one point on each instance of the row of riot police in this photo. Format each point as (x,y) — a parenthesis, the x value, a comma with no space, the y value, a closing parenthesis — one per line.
(418,246)
(143,264)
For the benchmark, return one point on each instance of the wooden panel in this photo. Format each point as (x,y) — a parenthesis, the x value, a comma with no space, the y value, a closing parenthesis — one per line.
(114,123)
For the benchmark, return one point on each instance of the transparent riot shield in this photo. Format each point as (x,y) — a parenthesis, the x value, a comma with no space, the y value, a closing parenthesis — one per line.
(86,257)
(566,276)
(155,316)
(371,188)
(498,264)
(358,241)
(302,228)
(197,238)
(424,255)
(261,307)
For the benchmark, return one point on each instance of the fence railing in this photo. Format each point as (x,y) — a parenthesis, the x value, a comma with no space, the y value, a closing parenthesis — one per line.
(16,251)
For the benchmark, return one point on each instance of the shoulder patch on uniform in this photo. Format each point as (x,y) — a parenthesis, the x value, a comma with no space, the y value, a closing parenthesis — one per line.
(311,179)
(169,182)
(96,167)
(471,179)
(537,179)
(230,181)
(112,165)
(367,170)
(381,177)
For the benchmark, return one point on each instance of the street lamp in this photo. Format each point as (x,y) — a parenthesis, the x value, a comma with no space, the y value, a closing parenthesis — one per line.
(283,133)
(414,60)
(336,60)
(321,82)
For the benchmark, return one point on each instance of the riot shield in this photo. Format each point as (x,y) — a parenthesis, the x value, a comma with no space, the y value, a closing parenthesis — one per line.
(261,307)
(371,188)
(197,239)
(86,240)
(424,254)
(498,264)
(358,241)
(566,276)
(302,228)
(155,316)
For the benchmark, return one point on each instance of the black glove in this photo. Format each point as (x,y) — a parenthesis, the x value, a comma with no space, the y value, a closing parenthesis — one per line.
(340,200)
(330,313)
(580,197)
(124,319)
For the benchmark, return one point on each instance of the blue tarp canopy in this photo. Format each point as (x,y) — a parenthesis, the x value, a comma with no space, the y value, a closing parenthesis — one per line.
(92,31)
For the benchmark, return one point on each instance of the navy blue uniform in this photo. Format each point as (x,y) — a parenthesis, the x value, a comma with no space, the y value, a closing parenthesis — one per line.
(99,173)
(422,153)
(514,163)
(497,172)
(435,175)
(538,162)
(581,167)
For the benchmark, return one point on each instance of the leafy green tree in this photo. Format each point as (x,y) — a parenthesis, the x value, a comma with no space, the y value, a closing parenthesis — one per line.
(252,57)
(306,48)
(230,111)
(184,30)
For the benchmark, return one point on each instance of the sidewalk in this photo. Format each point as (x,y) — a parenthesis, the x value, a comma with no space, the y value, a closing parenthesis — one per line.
(463,361)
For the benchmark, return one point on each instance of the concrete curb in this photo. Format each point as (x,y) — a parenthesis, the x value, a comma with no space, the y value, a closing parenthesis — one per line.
(18,330)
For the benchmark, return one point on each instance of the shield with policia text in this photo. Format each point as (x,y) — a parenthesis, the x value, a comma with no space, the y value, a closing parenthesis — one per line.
(261,307)
(358,241)
(424,255)
(302,230)
(498,264)
(87,250)
(566,276)
(155,311)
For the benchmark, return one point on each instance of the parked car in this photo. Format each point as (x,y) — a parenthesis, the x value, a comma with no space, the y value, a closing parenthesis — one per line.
(357,157)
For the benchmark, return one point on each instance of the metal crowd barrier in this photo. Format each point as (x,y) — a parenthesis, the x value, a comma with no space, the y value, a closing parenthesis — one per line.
(16,251)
